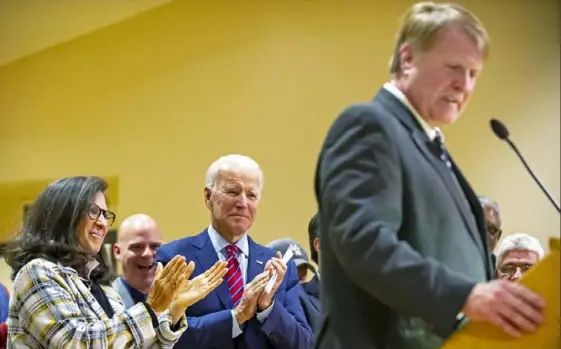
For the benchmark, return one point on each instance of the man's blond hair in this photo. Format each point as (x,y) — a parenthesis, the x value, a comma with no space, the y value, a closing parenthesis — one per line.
(422,24)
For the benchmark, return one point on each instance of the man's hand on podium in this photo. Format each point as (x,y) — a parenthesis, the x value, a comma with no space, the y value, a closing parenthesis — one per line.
(511,306)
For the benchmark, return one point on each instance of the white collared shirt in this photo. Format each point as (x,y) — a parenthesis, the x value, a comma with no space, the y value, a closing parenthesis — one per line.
(431,132)
(91,265)
(219,244)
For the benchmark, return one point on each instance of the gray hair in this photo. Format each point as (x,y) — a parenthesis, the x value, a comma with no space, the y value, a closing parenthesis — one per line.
(486,201)
(519,242)
(234,163)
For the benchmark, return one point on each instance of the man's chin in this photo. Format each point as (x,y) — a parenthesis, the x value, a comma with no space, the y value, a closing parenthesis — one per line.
(239,229)
(239,223)
(451,116)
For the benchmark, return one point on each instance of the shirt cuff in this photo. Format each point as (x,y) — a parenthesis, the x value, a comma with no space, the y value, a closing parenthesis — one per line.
(461,320)
(262,316)
(236,329)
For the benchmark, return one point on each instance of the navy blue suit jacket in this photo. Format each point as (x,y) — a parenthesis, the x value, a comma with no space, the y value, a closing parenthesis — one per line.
(210,320)
(309,298)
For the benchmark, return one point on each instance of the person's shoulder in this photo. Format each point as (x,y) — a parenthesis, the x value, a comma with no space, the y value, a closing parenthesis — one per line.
(368,115)
(177,242)
(41,265)
(372,111)
(354,112)
(262,249)
(179,246)
(37,271)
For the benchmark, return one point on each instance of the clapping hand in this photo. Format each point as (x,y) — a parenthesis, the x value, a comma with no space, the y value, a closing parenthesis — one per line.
(248,303)
(166,284)
(192,291)
(205,283)
(275,264)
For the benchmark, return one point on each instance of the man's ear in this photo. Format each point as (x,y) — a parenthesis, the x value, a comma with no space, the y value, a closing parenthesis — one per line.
(117,252)
(316,244)
(406,55)
(208,194)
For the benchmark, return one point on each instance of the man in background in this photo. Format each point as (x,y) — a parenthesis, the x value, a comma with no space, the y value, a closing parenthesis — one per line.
(308,293)
(137,242)
(516,254)
(493,223)
(311,302)
(312,287)
(300,257)
(240,313)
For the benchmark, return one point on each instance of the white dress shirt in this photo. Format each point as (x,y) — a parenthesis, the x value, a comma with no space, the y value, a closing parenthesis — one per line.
(431,132)
(219,244)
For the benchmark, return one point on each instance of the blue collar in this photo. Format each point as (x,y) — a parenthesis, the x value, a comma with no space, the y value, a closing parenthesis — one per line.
(136,295)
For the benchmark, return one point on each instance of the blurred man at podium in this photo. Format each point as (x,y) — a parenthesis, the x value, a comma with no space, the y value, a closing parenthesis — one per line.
(404,250)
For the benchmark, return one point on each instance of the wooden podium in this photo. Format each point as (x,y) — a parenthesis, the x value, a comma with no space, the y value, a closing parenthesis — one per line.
(544,280)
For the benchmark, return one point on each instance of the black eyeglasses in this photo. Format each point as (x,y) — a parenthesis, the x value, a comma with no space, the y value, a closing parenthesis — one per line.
(493,230)
(95,211)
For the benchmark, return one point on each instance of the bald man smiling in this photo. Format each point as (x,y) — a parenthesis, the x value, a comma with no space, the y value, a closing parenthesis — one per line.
(138,240)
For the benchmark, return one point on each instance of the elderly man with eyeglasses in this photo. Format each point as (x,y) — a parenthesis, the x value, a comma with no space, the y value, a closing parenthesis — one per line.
(243,312)
(516,254)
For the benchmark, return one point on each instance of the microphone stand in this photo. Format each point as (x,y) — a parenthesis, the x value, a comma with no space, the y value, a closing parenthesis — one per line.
(546,192)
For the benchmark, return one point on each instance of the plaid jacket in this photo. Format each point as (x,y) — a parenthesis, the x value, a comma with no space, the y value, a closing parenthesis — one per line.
(51,307)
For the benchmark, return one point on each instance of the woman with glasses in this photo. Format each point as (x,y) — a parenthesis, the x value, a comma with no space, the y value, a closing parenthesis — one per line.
(61,295)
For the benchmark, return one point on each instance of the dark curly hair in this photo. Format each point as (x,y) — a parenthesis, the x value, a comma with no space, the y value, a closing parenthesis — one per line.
(50,228)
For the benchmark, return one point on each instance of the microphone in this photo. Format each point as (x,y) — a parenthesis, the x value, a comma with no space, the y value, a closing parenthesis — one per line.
(500,130)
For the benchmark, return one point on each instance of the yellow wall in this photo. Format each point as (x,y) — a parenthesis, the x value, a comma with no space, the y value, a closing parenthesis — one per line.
(27,27)
(154,100)
(15,195)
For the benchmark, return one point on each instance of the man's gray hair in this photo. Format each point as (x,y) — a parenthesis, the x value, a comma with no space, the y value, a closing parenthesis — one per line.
(519,242)
(487,201)
(233,163)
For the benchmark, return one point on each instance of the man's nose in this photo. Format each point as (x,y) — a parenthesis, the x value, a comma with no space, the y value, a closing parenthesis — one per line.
(147,252)
(517,275)
(465,82)
(242,201)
